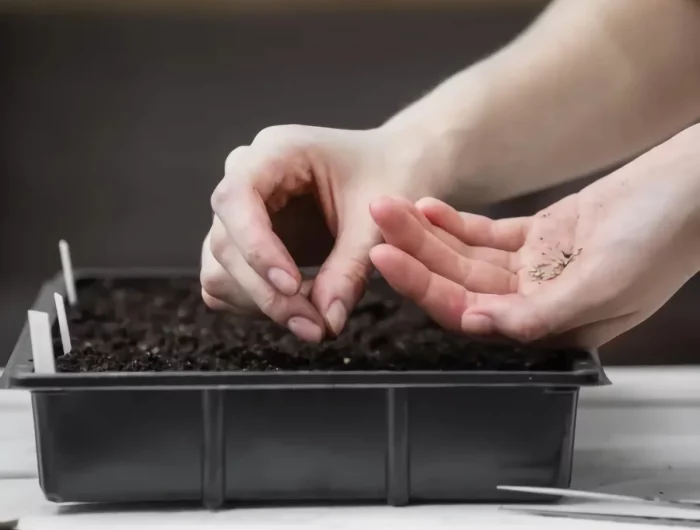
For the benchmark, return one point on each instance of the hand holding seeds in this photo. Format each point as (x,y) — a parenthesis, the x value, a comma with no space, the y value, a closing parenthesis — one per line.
(582,271)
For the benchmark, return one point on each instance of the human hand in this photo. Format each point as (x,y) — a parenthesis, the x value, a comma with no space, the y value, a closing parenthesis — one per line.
(580,272)
(245,265)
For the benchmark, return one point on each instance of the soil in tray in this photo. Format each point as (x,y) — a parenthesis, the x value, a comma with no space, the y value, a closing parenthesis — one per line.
(159,325)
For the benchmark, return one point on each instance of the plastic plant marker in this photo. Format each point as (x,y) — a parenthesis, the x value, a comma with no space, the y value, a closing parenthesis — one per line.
(42,346)
(569,493)
(62,322)
(67,266)
(665,520)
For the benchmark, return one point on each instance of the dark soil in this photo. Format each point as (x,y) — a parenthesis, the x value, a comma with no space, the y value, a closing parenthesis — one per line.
(158,325)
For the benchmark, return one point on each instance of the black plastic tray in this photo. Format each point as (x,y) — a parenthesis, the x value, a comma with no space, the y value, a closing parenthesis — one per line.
(245,437)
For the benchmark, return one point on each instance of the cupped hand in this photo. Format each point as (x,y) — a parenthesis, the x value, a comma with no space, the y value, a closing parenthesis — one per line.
(580,272)
(245,265)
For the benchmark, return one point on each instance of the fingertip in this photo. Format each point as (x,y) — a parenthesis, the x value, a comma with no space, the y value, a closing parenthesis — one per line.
(430,204)
(382,255)
(434,210)
(399,223)
(379,208)
(377,250)
(214,303)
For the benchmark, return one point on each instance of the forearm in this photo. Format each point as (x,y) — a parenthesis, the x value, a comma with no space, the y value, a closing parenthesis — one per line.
(587,85)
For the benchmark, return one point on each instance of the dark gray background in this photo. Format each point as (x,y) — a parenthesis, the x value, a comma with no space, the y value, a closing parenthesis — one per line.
(114,128)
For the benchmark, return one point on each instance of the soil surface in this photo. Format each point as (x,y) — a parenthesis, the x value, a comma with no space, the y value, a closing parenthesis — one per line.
(159,325)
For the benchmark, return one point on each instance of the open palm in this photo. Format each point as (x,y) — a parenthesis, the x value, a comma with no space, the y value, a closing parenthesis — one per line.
(582,271)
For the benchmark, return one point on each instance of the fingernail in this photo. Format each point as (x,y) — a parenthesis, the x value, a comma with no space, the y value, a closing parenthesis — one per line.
(305,329)
(336,316)
(284,283)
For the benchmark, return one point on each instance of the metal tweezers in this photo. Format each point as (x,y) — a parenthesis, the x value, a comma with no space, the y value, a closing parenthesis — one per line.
(663,520)
(606,517)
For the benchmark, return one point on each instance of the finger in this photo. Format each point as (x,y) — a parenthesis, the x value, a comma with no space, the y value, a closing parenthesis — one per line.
(499,258)
(410,208)
(556,308)
(401,229)
(444,300)
(476,230)
(220,290)
(215,303)
(241,208)
(295,312)
(513,316)
(509,261)
(449,304)
(342,279)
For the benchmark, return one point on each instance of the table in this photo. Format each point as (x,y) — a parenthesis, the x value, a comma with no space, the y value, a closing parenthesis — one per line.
(640,436)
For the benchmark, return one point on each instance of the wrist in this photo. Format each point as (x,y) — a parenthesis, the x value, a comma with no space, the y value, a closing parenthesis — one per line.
(420,160)
(437,139)
(674,170)
(690,154)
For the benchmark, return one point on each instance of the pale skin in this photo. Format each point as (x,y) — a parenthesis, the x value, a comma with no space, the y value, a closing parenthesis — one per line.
(580,272)
(584,87)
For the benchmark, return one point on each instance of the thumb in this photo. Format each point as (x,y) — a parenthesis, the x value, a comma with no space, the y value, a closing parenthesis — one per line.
(564,305)
(342,280)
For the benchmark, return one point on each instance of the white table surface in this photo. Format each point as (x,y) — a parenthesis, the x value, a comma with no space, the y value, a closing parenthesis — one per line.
(640,436)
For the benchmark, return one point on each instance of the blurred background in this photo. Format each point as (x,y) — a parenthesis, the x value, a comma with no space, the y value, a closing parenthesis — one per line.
(116,117)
